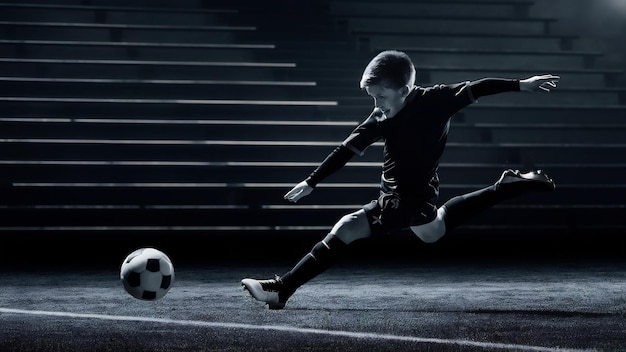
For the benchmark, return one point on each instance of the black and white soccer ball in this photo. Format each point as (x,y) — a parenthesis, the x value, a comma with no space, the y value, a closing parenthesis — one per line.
(147,274)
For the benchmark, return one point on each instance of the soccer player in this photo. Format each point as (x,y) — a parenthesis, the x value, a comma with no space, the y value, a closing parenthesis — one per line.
(413,122)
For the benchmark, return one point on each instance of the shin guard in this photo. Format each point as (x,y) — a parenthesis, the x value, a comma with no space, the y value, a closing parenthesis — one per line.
(461,208)
(315,262)
(510,185)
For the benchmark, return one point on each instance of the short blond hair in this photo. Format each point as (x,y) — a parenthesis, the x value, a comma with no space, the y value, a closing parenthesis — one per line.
(390,68)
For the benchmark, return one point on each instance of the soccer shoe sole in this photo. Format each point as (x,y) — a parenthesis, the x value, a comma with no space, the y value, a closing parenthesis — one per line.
(254,288)
(536,180)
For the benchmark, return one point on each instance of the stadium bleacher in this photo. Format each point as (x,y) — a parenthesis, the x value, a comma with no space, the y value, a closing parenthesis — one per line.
(158,122)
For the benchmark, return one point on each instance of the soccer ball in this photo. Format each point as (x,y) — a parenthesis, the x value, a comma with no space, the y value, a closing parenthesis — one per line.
(147,274)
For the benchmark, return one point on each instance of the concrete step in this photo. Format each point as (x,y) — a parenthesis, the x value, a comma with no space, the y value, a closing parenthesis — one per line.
(501,59)
(428,75)
(484,112)
(258,196)
(481,9)
(163,33)
(162,4)
(448,25)
(207,171)
(291,151)
(564,114)
(266,130)
(285,68)
(553,133)
(472,59)
(170,51)
(190,109)
(319,110)
(434,57)
(284,217)
(136,51)
(99,32)
(276,130)
(484,41)
(559,96)
(286,90)
(266,237)
(152,17)
(225,172)
(159,89)
(147,69)
(145,15)
(541,133)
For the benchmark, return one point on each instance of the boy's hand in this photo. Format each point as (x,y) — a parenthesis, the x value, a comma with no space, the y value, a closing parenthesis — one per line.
(300,191)
(538,83)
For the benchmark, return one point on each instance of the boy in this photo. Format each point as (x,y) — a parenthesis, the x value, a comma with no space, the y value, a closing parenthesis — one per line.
(413,122)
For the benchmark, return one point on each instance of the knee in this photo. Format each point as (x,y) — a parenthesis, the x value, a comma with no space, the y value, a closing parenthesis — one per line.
(433,233)
(434,230)
(351,227)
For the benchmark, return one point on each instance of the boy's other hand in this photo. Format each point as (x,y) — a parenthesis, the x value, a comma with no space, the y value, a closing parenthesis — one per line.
(300,191)
(539,83)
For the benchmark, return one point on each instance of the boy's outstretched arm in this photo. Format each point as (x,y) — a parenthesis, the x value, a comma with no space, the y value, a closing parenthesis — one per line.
(333,162)
(489,86)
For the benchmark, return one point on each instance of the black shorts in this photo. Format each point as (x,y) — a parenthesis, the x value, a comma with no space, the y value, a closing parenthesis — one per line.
(396,215)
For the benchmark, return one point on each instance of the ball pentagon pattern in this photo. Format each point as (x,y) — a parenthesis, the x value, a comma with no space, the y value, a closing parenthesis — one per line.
(147,274)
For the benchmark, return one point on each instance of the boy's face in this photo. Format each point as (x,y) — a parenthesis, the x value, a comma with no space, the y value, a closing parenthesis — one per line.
(388,100)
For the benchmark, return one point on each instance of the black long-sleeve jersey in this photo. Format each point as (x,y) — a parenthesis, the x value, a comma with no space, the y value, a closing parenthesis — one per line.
(414,139)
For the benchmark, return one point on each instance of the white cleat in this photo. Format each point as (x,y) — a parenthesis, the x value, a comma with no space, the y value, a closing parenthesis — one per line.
(267,291)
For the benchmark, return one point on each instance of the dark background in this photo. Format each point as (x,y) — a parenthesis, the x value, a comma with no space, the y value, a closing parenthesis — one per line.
(101,156)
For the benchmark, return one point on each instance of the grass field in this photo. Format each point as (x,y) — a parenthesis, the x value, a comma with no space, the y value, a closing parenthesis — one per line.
(355,306)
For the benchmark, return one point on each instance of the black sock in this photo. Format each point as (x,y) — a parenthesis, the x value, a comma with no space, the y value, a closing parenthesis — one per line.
(463,207)
(315,262)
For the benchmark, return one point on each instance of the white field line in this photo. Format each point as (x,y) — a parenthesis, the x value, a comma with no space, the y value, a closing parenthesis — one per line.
(291,329)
